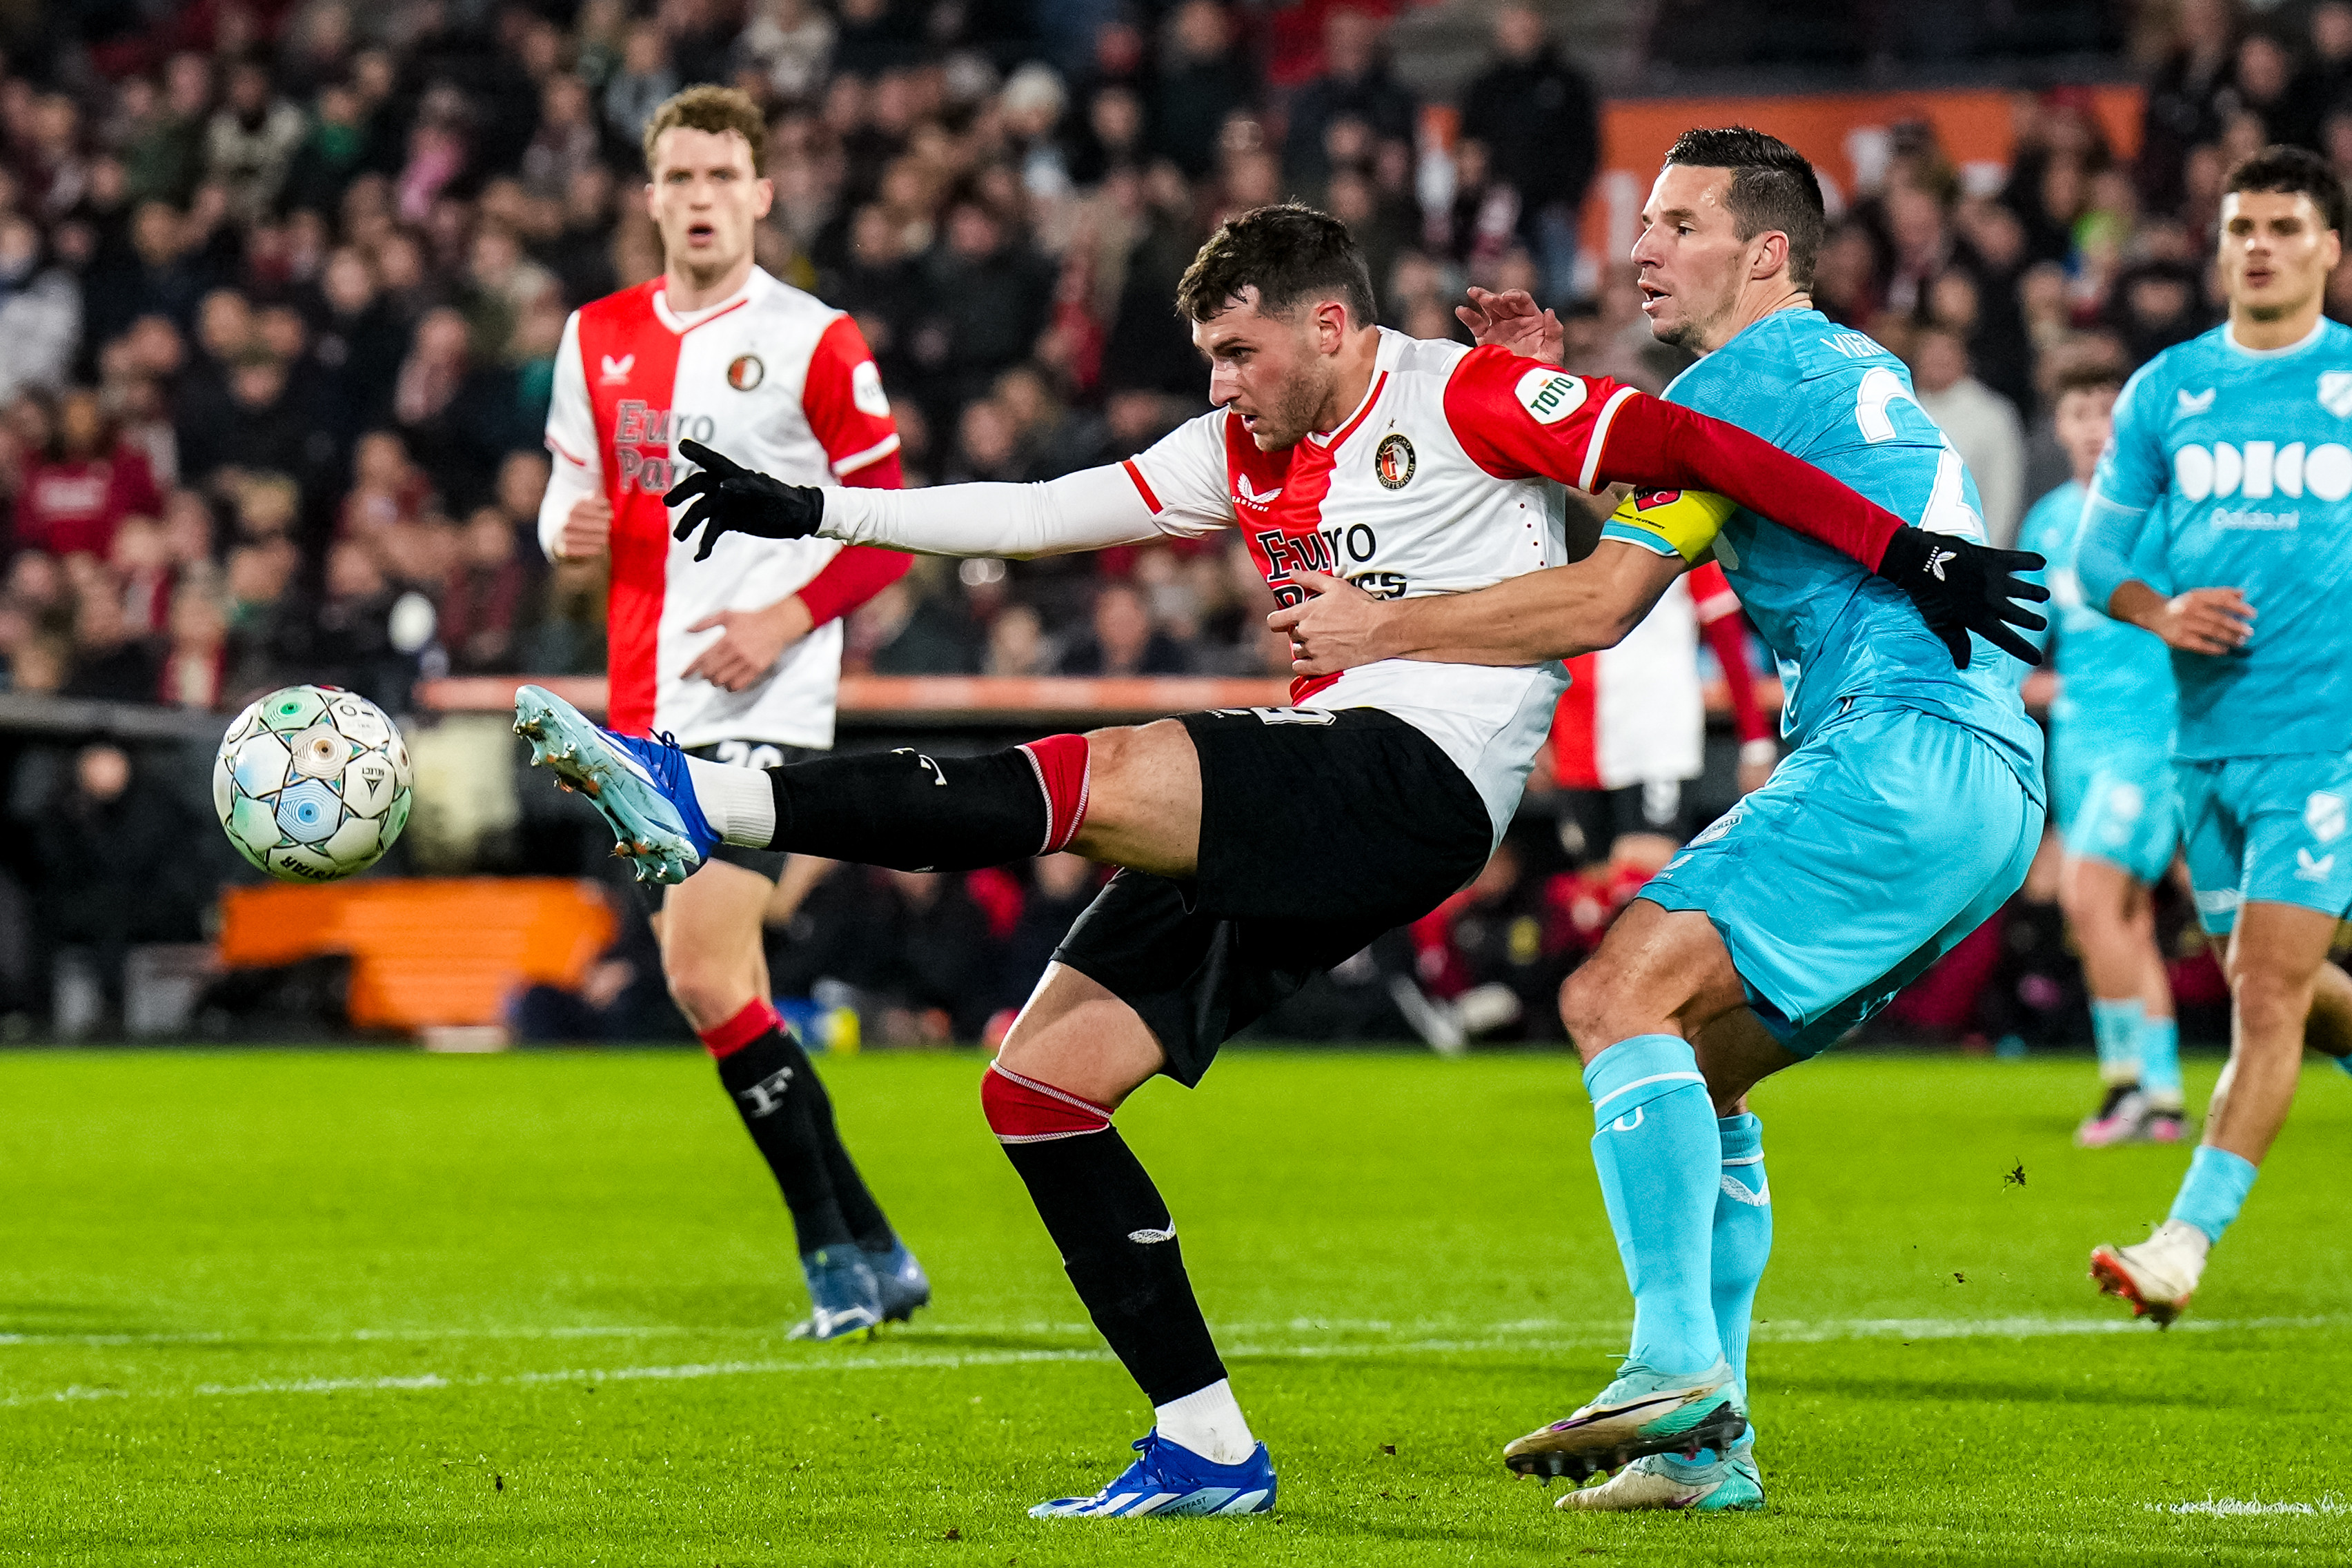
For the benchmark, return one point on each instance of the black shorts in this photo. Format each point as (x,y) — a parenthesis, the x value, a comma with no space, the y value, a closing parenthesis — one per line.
(769,863)
(1603,816)
(1318,832)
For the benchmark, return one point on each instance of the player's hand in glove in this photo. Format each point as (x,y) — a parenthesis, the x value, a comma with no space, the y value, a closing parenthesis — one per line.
(728,499)
(1961,587)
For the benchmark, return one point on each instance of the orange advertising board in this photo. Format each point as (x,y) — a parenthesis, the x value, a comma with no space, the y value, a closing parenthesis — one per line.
(1843,133)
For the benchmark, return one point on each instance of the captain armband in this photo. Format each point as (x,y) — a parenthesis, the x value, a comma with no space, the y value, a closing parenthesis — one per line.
(1685,521)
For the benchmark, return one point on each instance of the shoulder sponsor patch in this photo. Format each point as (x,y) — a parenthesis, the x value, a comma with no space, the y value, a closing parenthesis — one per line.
(1549,395)
(865,390)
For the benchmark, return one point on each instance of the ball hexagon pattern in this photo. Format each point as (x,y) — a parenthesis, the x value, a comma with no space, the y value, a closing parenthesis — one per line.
(311,783)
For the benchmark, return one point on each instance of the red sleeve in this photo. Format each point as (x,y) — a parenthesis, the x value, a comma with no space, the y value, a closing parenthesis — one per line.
(1519,419)
(1720,623)
(850,578)
(847,407)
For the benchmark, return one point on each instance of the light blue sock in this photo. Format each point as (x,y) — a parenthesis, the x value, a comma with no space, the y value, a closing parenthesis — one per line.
(2159,1061)
(2114,1029)
(1741,1241)
(2214,1190)
(1660,1159)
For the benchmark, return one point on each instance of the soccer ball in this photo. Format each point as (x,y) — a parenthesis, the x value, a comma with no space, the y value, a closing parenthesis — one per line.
(311,783)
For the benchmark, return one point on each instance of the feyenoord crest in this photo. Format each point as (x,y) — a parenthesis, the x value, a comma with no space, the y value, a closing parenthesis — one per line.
(1392,462)
(745,372)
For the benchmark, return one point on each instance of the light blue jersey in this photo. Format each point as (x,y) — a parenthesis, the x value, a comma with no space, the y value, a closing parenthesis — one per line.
(1837,400)
(2251,454)
(2111,724)
(1912,801)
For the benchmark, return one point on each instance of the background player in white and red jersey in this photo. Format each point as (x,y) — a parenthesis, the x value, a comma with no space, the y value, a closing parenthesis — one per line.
(1630,730)
(742,664)
(1259,847)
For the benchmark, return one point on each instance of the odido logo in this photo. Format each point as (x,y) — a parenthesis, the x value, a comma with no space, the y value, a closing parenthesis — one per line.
(2261,469)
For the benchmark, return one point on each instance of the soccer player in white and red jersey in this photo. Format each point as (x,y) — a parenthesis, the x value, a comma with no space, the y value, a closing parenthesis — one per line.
(1630,730)
(742,664)
(1258,847)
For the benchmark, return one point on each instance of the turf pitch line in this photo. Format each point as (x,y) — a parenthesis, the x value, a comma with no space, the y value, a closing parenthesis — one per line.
(1862,1328)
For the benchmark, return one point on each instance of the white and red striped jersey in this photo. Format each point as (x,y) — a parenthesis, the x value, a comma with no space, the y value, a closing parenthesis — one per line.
(778,380)
(1449,476)
(1637,712)
(1398,500)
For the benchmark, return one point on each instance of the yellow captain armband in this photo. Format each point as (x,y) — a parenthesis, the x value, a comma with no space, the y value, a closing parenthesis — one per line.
(1686,521)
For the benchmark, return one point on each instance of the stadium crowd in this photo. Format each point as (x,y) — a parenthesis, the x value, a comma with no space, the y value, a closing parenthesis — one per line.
(281,284)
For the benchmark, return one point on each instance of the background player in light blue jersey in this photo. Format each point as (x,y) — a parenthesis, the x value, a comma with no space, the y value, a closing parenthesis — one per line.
(2110,797)
(2244,435)
(1908,811)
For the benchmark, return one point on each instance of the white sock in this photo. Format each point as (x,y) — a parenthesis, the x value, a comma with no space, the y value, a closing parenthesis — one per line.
(738,802)
(1208,1422)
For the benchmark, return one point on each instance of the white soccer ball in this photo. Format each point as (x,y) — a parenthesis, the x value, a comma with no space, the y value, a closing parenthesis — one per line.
(311,783)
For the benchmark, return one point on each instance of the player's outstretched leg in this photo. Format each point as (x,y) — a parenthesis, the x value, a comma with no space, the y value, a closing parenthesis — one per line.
(2282,990)
(1119,1248)
(1660,1159)
(1717,1481)
(899,809)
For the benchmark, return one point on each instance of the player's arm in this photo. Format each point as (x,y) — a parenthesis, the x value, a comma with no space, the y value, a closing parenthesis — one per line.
(2117,529)
(1516,419)
(1177,488)
(1528,619)
(576,519)
(849,414)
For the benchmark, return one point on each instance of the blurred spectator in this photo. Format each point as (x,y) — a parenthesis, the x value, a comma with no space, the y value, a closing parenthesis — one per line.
(1202,82)
(252,141)
(195,661)
(481,609)
(40,311)
(1355,87)
(105,877)
(81,486)
(1123,641)
(1536,116)
(1981,424)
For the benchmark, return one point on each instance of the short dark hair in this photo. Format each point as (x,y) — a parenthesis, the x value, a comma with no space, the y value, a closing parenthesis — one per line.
(2287,170)
(1773,187)
(2095,375)
(1290,253)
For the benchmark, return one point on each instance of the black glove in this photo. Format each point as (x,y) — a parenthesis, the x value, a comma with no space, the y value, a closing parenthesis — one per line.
(1962,586)
(731,498)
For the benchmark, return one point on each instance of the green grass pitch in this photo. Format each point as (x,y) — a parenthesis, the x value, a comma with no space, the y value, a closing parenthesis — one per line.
(372,1308)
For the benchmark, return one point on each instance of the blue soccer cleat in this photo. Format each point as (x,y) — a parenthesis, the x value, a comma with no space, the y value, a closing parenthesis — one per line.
(903,1284)
(844,1298)
(1642,1412)
(640,787)
(1171,1479)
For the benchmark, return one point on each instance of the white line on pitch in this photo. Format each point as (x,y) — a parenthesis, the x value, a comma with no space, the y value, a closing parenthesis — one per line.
(917,1360)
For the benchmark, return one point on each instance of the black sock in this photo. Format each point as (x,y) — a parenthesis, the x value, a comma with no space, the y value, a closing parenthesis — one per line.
(858,1211)
(912,813)
(769,1080)
(1119,1248)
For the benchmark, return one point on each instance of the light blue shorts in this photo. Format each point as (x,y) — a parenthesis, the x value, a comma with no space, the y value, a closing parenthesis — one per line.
(2128,815)
(2267,830)
(1879,843)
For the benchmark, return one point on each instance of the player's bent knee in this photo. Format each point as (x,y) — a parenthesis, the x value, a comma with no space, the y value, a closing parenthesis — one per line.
(1588,1000)
(1022,1110)
(707,993)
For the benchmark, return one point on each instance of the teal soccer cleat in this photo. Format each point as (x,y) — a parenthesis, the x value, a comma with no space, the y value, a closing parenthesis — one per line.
(1642,1412)
(903,1285)
(1731,1484)
(640,787)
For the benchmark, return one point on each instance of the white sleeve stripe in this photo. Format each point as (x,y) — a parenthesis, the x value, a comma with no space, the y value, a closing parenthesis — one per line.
(867,458)
(1593,448)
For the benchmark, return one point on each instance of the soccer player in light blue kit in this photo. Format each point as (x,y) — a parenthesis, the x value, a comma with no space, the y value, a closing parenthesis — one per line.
(2222,520)
(2110,797)
(1909,810)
